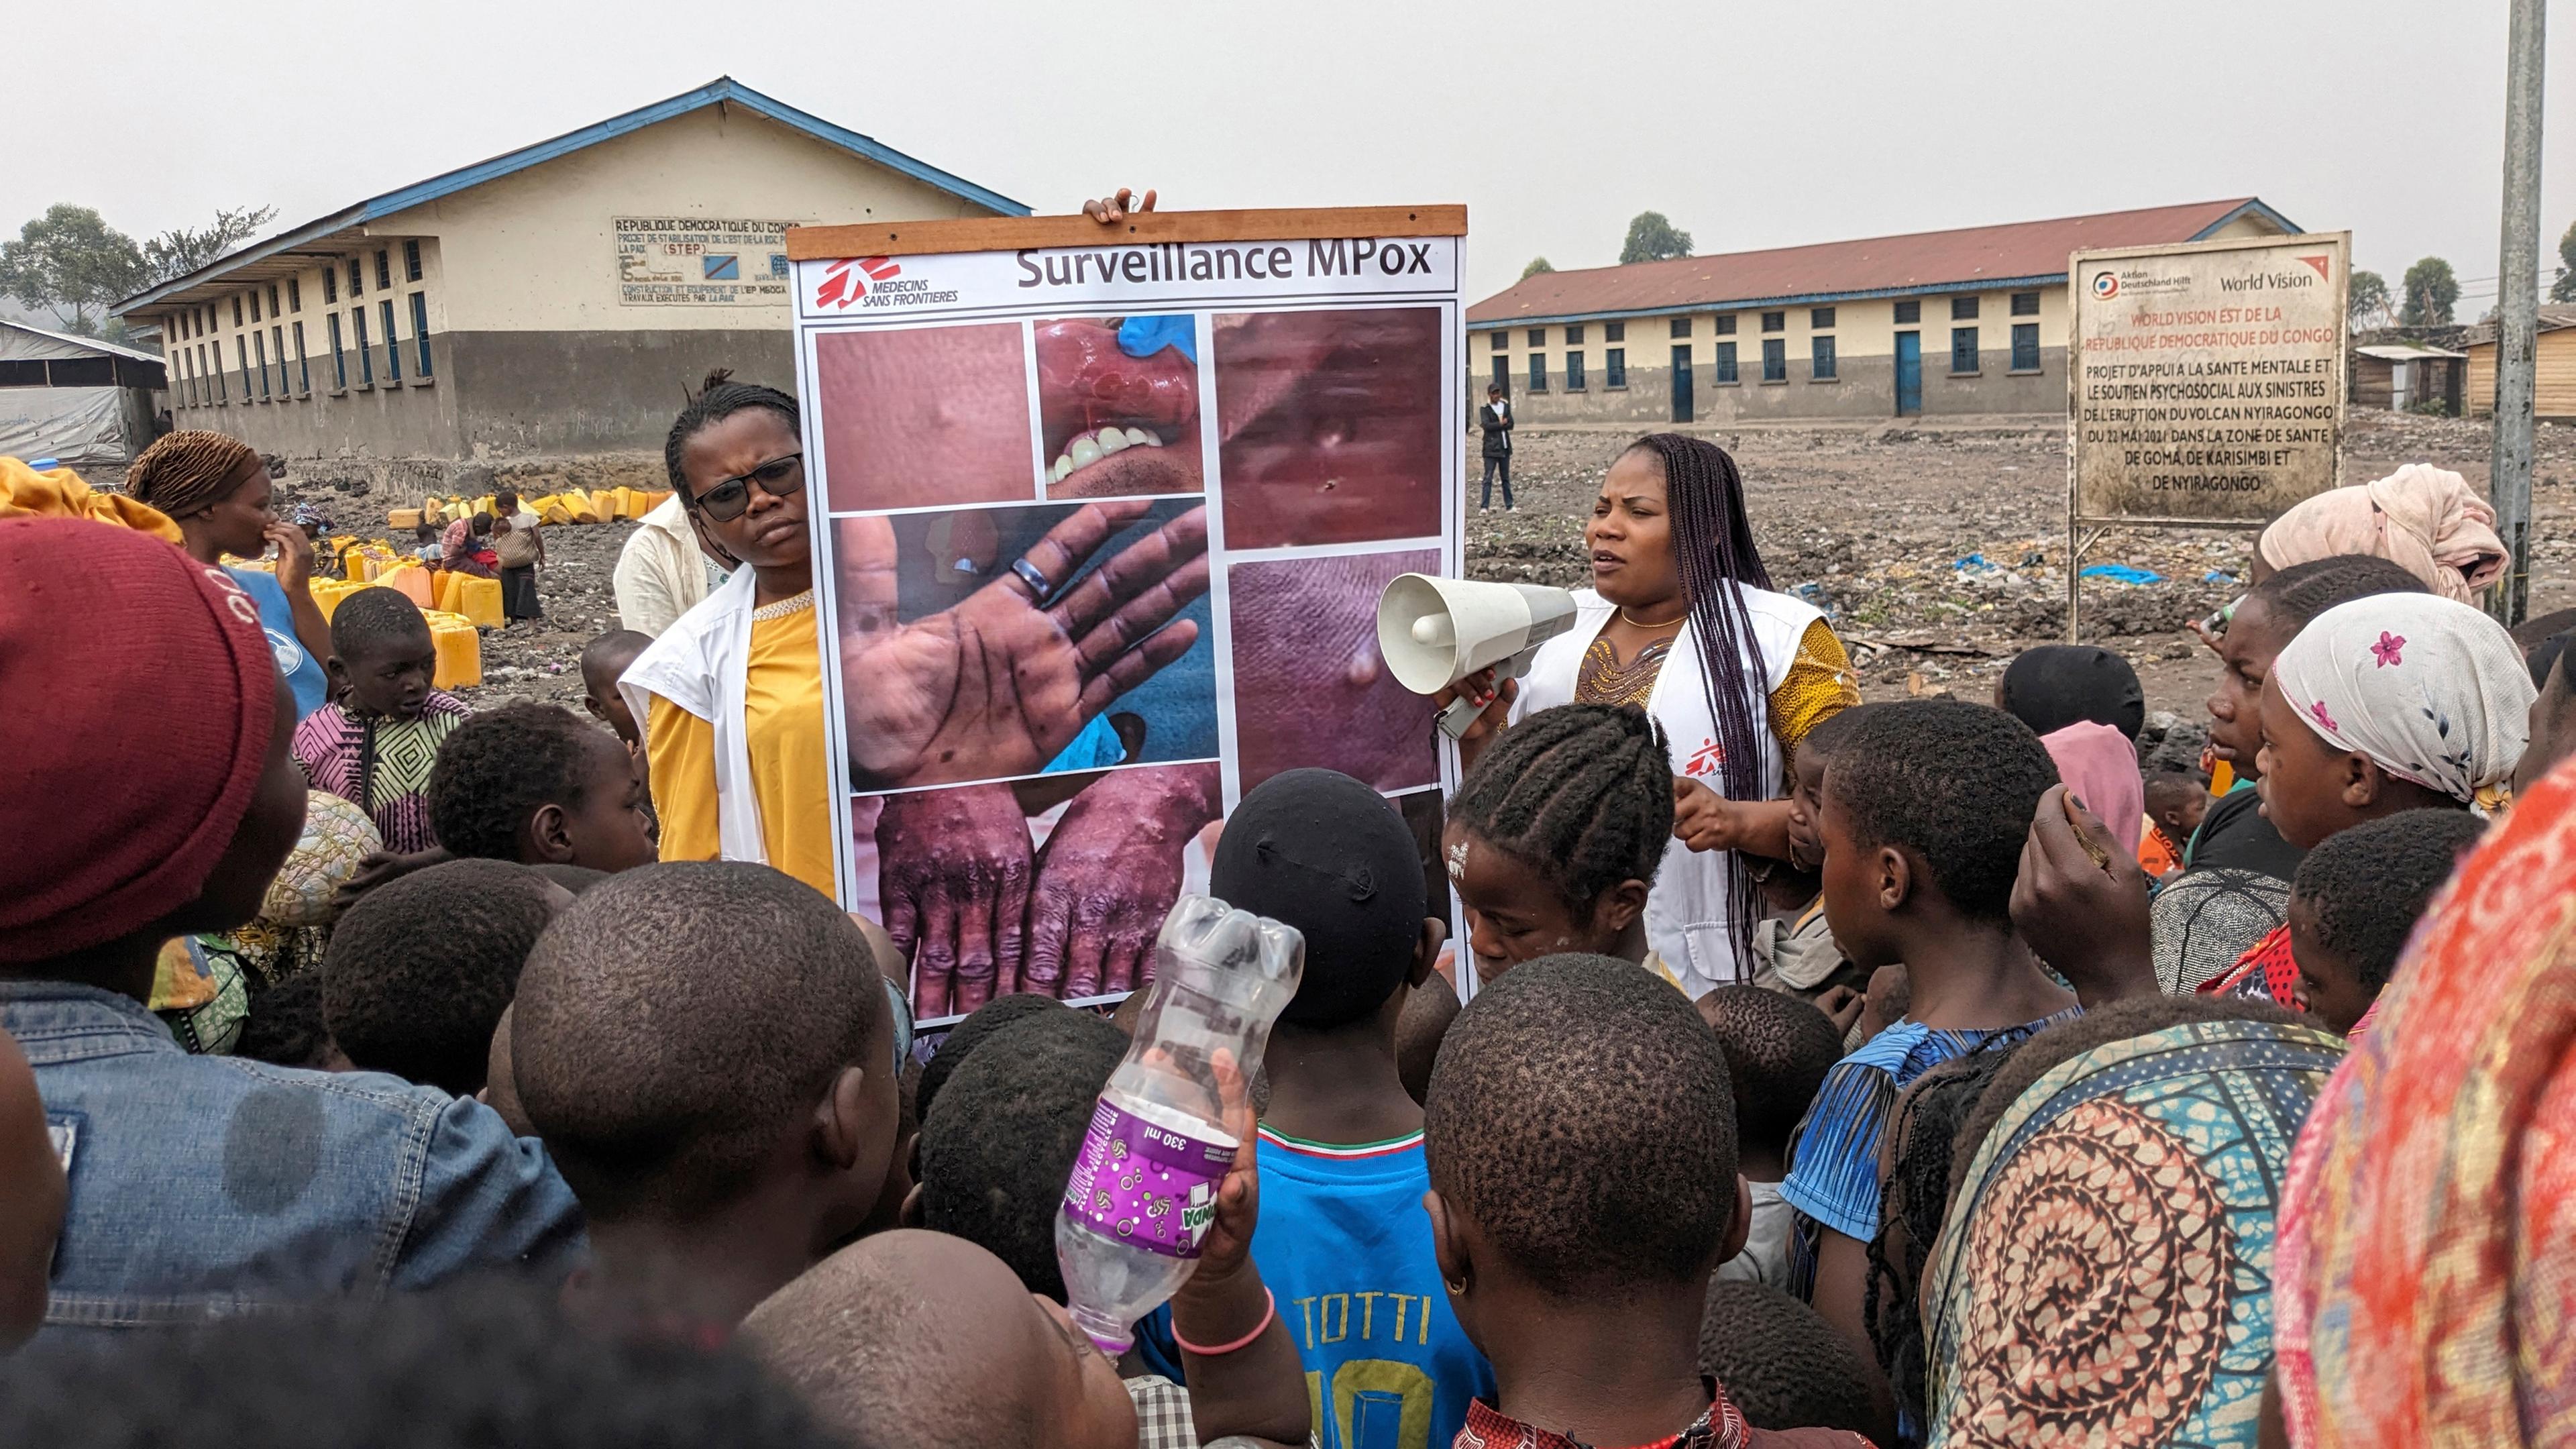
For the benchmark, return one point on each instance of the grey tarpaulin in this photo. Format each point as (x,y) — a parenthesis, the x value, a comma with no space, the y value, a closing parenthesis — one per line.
(81,425)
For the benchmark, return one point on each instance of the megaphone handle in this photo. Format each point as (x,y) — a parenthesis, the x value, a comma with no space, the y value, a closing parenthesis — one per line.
(1459,717)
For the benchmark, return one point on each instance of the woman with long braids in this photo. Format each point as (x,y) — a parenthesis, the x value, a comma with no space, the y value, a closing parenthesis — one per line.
(1681,620)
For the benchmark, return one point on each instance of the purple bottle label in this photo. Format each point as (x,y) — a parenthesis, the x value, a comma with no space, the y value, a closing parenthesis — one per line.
(1144,1184)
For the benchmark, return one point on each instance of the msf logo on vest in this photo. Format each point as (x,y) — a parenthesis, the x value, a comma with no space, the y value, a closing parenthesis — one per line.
(847,280)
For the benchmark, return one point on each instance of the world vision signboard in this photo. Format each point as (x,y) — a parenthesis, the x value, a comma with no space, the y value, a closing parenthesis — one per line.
(2207,379)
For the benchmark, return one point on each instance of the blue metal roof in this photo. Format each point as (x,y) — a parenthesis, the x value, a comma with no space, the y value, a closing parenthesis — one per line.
(721,90)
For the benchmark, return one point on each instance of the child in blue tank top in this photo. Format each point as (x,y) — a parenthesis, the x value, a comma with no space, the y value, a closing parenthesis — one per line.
(1343,1242)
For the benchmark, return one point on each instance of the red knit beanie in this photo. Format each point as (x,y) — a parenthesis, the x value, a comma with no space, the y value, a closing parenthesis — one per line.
(137,697)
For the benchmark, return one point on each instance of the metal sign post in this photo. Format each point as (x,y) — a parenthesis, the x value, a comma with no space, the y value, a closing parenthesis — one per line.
(2205,386)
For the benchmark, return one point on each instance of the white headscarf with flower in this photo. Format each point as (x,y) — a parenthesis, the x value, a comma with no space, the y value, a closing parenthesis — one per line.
(2429,688)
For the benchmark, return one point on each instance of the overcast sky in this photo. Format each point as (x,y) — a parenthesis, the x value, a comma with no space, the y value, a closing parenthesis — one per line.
(1748,124)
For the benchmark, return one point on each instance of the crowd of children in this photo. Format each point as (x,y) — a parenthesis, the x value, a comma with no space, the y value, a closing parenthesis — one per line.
(366,1077)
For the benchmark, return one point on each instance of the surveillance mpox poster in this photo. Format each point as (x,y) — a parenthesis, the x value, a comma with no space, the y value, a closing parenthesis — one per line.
(1102,515)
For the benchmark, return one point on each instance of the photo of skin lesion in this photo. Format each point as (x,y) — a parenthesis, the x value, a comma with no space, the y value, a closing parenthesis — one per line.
(923,417)
(1329,425)
(982,644)
(1310,687)
(1118,405)
(1055,886)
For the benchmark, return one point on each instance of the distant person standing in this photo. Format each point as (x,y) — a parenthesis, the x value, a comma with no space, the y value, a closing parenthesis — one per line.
(520,549)
(1495,417)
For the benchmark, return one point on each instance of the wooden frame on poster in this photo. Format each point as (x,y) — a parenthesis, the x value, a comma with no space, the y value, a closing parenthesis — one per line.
(1015,233)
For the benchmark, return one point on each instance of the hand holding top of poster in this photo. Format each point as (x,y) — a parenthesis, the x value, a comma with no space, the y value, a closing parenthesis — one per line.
(999,684)
(1116,206)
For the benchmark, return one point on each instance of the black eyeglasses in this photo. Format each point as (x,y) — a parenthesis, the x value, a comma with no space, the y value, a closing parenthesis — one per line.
(779,478)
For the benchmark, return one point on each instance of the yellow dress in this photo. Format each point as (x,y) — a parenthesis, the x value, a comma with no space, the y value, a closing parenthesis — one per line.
(1819,684)
(790,765)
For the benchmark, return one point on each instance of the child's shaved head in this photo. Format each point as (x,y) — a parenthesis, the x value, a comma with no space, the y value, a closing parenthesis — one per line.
(1580,1116)
(1778,1049)
(914,1340)
(996,1151)
(680,1020)
(375,619)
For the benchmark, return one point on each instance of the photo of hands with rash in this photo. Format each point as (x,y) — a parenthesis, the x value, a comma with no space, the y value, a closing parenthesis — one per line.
(983,910)
(1118,405)
(996,643)
(1329,425)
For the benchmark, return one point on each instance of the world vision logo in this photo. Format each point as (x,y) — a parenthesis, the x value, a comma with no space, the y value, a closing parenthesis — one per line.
(847,280)
(2324,267)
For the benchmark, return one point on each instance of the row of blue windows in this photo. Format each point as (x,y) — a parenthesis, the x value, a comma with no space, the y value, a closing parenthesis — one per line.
(1614,371)
(1823,363)
(207,384)
(1909,313)
(196,322)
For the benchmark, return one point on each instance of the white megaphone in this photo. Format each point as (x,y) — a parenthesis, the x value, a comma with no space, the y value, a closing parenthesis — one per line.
(1434,632)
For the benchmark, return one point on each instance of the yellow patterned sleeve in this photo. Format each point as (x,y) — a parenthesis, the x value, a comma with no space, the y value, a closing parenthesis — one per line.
(1820,685)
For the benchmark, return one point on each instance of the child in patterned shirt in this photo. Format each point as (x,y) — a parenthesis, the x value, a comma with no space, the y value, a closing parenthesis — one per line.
(374,745)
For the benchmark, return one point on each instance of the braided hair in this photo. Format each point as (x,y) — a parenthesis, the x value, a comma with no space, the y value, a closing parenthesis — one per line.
(188,470)
(1581,794)
(718,398)
(2299,593)
(1714,554)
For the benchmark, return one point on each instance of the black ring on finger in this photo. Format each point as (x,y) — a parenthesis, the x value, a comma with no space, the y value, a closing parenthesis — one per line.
(1031,575)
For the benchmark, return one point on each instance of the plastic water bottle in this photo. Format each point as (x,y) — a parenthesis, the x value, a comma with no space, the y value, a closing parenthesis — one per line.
(1143,1189)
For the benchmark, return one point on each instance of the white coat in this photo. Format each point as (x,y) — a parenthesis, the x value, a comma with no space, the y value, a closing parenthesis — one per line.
(701,663)
(1690,922)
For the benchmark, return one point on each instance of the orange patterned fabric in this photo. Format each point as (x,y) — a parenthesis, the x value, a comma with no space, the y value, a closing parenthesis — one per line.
(2426,1285)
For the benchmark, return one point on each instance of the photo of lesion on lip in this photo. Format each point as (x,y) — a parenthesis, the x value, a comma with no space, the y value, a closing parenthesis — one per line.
(1118,405)
(1329,425)
(997,643)
(921,417)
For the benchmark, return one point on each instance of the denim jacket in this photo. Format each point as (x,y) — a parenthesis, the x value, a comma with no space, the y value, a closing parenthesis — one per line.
(204,1186)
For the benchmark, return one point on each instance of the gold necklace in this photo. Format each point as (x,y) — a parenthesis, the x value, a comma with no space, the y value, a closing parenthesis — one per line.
(1636,623)
(792,604)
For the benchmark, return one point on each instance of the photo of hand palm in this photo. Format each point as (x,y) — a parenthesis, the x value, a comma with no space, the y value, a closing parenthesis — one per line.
(999,684)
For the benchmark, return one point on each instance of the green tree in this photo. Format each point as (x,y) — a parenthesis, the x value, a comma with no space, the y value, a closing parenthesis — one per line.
(73,264)
(2564,289)
(1536,266)
(180,250)
(2367,304)
(2430,291)
(1651,238)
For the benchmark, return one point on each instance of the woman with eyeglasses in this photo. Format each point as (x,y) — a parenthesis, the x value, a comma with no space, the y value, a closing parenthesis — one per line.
(731,694)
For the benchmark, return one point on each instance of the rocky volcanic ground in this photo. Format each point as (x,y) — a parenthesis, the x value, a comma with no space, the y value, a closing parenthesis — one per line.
(1939,551)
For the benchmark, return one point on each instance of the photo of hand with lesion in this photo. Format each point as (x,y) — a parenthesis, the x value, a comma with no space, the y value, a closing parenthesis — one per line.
(989,644)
